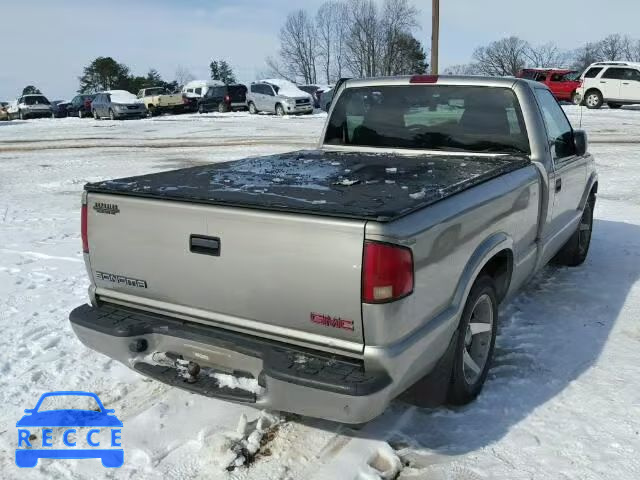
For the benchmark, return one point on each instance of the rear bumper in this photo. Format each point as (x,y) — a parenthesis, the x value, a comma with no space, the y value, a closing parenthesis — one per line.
(292,379)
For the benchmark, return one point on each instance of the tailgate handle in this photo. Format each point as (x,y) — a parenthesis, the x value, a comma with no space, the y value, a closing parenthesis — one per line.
(204,245)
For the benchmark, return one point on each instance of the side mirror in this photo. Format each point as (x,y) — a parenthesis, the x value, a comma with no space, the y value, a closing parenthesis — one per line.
(581,142)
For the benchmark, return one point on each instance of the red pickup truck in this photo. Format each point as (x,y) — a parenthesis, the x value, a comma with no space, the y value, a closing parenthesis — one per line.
(562,83)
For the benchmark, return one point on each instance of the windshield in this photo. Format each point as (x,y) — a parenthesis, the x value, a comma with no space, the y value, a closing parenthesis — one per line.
(68,402)
(155,91)
(36,100)
(119,96)
(433,117)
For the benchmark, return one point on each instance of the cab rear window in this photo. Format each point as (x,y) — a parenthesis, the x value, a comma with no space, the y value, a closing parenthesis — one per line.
(434,117)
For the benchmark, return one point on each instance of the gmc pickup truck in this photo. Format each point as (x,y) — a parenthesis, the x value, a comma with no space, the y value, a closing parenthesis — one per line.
(158,100)
(328,282)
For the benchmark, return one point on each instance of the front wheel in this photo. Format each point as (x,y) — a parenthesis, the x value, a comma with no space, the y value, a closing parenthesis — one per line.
(222,107)
(593,99)
(95,115)
(575,251)
(112,115)
(475,342)
(252,108)
(79,113)
(279,110)
(21,115)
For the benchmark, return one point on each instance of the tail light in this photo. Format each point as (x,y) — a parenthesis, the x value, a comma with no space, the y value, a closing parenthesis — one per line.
(424,79)
(227,99)
(387,272)
(83,229)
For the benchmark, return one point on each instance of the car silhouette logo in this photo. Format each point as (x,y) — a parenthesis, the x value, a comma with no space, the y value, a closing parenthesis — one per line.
(97,421)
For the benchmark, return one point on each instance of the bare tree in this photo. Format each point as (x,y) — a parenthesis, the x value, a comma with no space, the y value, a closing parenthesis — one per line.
(183,75)
(463,69)
(503,57)
(326,23)
(398,18)
(363,40)
(547,55)
(586,55)
(298,47)
(633,53)
(614,47)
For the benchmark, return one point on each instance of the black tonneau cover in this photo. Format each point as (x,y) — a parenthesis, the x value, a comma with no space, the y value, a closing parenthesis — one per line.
(368,186)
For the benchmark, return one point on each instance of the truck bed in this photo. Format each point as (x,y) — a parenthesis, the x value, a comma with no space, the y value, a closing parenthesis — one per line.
(357,185)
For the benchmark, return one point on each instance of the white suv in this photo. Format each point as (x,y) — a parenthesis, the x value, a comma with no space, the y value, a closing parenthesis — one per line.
(613,83)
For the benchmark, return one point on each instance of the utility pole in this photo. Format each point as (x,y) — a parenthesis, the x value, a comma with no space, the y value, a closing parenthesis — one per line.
(435,35)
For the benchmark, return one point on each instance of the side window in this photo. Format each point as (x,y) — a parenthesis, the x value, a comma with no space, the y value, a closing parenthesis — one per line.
(631,74)
(253,88)
(198,91)
(268,90)
(556,77)
(541,77)
(592,72)
(614,73)
(558,127)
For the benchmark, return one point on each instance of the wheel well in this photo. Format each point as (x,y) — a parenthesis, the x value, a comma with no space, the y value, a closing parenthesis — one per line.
(592,90)
(500,268)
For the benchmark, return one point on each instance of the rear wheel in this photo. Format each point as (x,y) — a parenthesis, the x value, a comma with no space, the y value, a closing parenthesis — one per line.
(614,106)
(252,108)
(279,110)
(79,113)
(475,342)
(222,107)
(593,99)
(95,115)
(575,251)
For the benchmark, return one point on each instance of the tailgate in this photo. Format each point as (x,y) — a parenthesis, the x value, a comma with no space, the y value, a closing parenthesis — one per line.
(285,276)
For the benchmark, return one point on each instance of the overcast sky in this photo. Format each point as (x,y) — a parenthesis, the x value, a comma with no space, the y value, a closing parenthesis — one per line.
(48,42)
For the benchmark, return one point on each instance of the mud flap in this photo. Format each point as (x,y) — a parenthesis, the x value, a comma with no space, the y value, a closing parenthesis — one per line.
(432,389)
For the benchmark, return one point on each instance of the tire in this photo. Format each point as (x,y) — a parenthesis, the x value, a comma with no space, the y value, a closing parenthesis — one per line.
(95,115)
(252,108)
(576,99)
(79,113)
(614,106)
(152,112)
(593,99)
(222,107)
(201,109)
(575,251)
(112,115)
(279,110)
(474,350)
(21,115)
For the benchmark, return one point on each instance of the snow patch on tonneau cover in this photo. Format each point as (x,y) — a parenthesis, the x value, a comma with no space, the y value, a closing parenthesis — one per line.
(368,186)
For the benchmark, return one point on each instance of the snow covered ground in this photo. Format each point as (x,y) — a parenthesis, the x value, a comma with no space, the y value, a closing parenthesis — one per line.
(562,400)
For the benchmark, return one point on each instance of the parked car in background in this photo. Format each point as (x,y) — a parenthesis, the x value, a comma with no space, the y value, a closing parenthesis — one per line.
(325,99)
(30,106)
(59,108)
(224,98)
(80,106)
(158,100)
(278,96)
(563,83)
(394,264)
(198,88)
(117,105)
(315,91)
(613,83)
(4,115)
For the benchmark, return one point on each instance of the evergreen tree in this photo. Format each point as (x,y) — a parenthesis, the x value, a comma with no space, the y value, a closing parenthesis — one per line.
(410,56)
(222,71)
(154,79)
(104,73)
(31,90)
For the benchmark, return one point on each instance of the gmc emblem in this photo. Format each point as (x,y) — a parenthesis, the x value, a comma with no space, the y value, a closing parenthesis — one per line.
(333,322)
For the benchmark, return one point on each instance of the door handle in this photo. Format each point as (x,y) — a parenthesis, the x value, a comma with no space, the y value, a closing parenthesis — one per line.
(204,245)
(602,81)
(625,83)
(558,184)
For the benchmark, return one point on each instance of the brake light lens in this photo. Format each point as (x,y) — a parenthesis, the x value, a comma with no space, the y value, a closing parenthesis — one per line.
(83,228)
(387,273)
(424,79)
(227,99)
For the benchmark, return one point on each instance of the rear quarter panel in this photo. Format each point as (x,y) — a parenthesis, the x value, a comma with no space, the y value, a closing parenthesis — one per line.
(446,239)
